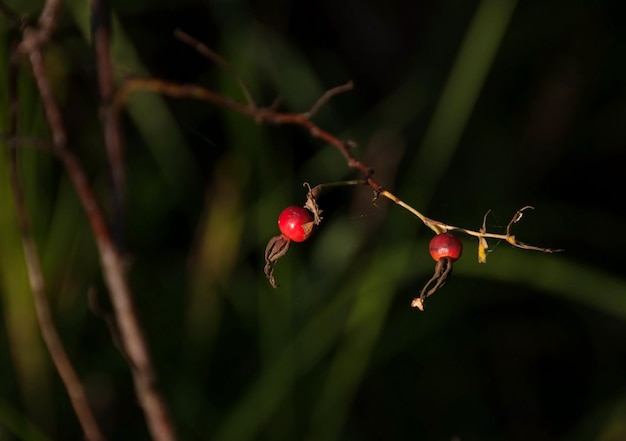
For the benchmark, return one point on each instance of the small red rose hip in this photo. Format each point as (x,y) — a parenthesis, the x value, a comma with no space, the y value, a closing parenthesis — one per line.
(445,245)
(296,223)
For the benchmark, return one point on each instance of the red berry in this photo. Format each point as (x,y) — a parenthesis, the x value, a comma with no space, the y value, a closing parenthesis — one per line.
(296,223)
(445,245)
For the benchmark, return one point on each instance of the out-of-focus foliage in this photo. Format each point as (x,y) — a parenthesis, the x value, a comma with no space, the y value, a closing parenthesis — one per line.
(460,107)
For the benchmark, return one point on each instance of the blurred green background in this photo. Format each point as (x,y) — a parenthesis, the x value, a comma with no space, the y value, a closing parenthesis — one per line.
(459,106)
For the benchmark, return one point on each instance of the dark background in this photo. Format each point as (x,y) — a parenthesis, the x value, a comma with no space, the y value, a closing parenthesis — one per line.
(460,107)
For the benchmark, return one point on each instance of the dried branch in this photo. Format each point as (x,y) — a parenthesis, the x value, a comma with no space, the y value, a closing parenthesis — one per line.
(327,96)
(101,32)
(48,20)
(272,116)
(144,374)
(58,354)
(211,55)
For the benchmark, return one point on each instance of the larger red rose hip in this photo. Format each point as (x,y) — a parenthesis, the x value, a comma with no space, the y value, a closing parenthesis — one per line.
(296,223)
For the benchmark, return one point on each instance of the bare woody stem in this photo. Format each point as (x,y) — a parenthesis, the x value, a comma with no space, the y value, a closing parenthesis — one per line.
(260,115)
(59,356)
(50,335)
(135,346)
(270,116)
(101,31)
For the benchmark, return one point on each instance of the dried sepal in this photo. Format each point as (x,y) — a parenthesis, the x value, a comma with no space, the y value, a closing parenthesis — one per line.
(482,250)
(442,271)
(483,246)
(311,202)
(276,248)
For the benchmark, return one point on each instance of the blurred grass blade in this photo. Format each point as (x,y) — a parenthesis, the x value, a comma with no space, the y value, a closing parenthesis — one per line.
(376,286)
(374,292)
(18,425)
(460,93)
(555,274)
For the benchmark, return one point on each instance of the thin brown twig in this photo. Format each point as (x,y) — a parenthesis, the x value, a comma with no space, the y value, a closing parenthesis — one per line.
(58,354)
(441,227)
(261,115)
(48,19)
(517,217)
(144,374)
(46,25)
(101,33)
(271,116)
(213,56)
(327,96)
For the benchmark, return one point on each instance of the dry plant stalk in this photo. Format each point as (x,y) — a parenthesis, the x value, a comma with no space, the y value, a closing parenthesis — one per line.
(134,343)
(269,115)
(58,354)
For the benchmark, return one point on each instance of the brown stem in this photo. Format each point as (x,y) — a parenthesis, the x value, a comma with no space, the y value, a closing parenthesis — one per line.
(144,375)
(48,20)
(327,96)
(271,116)
(101,31)
(211,55)
(49,333)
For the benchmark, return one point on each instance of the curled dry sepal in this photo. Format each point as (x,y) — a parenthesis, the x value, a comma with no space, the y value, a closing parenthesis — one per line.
(443,268)
(276,248)
(296,225)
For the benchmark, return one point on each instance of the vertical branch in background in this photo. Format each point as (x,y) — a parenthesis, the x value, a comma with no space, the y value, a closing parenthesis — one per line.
(101,33)
(49,333)
(48,19)
(135,347)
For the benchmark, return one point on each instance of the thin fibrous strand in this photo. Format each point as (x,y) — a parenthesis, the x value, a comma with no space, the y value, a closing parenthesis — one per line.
(327,97)
(517,217)
(211,55)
